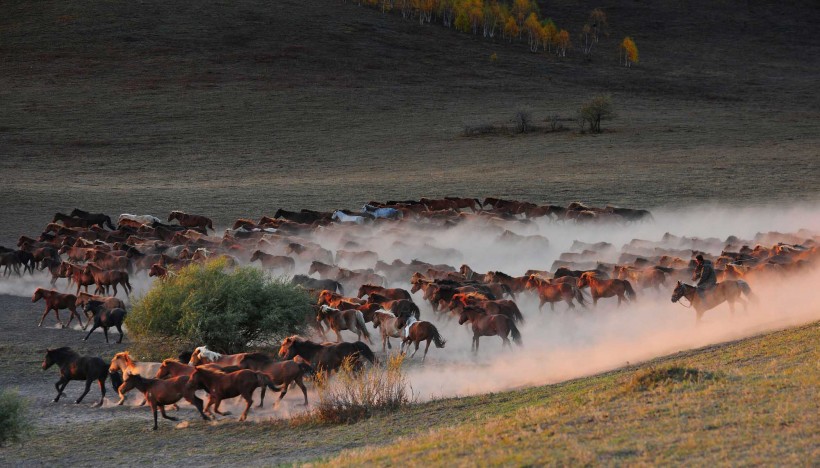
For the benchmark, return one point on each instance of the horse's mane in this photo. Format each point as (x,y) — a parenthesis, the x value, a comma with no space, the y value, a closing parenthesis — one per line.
(64,351)
(208,354)
(258,357)
(501,274)
(385,312)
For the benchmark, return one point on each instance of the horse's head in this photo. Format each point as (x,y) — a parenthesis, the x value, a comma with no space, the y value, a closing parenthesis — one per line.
(38,294)
(286,350)
(174,215)
(532,282)
(163,370)
(49,359)
(196,357)
(92,306)
(678,292)
(257,254)
(117,363)
(584,279)
(464,317)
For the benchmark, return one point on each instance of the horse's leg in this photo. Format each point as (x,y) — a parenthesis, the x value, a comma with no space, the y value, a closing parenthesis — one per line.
(119,329)
(282,394)
(338,336)
(87,388)
(43,317)
(57,314)
(541,304)
(214,404)
(198,404)
(248,402)
(416,344)
(154,409)
(552,306)
(59,389)
(74,313)
(301,385)
(731,307)
(105,332)
(96,325)
(162,410)
(262,395)
(122,395)
(101,381)
(426,348)
(113,285)
(476,343)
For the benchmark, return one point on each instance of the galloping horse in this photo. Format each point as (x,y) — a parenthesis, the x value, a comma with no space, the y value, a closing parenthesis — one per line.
(390,293)
(202,355)
(191,221)
(122,362)
(489,325)
(56,301)
(606,288)
(419,331)
(324,356)
(386,322)
(159,392)
(76,367)
(553,292)
(338,320)
(221,386)
(727,291)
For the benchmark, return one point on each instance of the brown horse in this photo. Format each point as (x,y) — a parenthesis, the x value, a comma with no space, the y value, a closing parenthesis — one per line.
(387,323)
(274,262)
(158,271)
(202,355)
(646,278)
(175,368)
(390,293)
(221,386)
(285,373)
(492,307)
(105,278)
(122,362)
(421,331)
(191,221)
(78,275)
(159,392)
(326,357)
(553,292)
(338,320)
(76,367)
(727,291)
(489,325)
(56,301)
(57,268)
(459,203)
(599,288)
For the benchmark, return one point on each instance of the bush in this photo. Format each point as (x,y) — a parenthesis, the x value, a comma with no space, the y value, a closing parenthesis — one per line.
(227,310)
(654,377)
(12,414)
(522,122)
(596,110)
(355,395)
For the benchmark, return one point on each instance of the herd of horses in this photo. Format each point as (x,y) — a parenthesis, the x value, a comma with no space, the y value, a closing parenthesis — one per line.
(334,254)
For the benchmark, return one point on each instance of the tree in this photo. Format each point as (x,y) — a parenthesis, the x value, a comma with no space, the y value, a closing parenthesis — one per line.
(597,22)
(596,110)
(550,31)
(562,43)
(533,28)
(511,28)
(629,51)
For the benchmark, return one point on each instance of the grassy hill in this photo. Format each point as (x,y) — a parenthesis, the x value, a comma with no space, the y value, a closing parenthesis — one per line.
(238,108)
(752,401)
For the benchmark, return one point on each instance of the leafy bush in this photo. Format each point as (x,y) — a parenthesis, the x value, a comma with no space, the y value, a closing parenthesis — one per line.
(12,414)
(354,395)
(654,377)
(598,109)
(227,310)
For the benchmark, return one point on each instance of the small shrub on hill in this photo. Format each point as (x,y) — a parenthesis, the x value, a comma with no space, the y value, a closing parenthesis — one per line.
(225,309)
(12,417)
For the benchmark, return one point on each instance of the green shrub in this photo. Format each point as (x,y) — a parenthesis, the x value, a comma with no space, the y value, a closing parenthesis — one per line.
(227,310)
(12,414)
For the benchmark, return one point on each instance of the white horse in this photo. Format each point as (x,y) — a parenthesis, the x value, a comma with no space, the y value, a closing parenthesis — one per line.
(343,217)
(386,322)
(144,219)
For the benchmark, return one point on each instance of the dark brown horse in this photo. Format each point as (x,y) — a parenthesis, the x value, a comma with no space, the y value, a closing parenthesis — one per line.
(324,356)
(390,293)
(56,301)
(100,219)
(159,392)
(274,262)
(191,221)
(553,292)
(421,331)
(338,320)
(105,318)
(489,325)
(104,278)
(79,276)
(599,288)
(285,373)
(727,291)
(221,386)
(76,367)
(645,278)
(175,368)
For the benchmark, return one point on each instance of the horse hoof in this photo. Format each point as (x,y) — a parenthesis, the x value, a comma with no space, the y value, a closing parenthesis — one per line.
(77,402)
(55,400)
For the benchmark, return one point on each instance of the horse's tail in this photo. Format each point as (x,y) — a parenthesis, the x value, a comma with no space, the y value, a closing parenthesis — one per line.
(579,295)
(630,293)
(437,339)
(508,290)
(307,368)
(339,287)
(116,380)
(360,324)
(517,313)
(107,222)
(516,335)
(264,381)
(747,290)
(478,202)
(365,351)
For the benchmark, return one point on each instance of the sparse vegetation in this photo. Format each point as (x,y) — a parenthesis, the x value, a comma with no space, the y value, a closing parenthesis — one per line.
(352,395)
(227,310)
(629,51)
(653,377)
(593,112)
(13,424)
(522,122)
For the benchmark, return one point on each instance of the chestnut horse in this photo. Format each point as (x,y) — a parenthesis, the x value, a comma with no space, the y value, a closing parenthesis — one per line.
(191,221)
(390,293)
(647,278)
(122,362)
(202,355)
(489,325)
(338,320)
(326,357)
(726,291)
(221,386)
(56,301)
(285,373)
(159,392)
(105,278)
(419,331)
(274,262)
(606,288)
(76,367)
(553,292)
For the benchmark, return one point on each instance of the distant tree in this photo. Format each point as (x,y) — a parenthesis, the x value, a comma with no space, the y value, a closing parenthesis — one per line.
(562,43)
(629,51)
(511,29)
(597,22)
(549,34)
(446,10)
(533,28)
(596,110)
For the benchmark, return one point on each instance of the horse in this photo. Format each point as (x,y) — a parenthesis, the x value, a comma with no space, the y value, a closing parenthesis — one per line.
(726,291)
(105,318)
(553,292)
(326,357)
(324,270)
(320,284)
(343,217)
(159,271)
(274,262)
(159,392)
(300,217)
(489,325)
(57,268)
(191,221)
(471,203)
(11,262)
(169,368)
(386,322)
(202,355)
(78,275)
(56,301)
(122,362)
(418,331)
(338,320)
(137,220)
(105,278)
(491,307)
(99,219)
(76,367)
(606,288)
(382,212)
(285,373)
(221,386)
(390,293)
(647,278)
(70,221)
